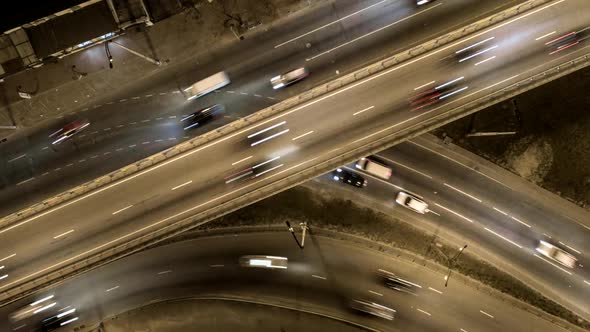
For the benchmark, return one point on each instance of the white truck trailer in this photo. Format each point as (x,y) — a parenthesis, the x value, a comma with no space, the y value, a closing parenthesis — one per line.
(207,85)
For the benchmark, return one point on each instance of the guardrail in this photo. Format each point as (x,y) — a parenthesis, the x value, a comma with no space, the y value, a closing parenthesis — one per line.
(270,111)
(352,153)
(379,143)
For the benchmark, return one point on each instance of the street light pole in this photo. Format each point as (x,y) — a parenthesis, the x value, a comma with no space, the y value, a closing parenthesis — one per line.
(451,262)
(303,227)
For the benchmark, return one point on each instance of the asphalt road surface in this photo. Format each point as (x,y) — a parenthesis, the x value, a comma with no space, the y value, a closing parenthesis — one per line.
(195,181)
(470,207)
(322,277)
(144,119)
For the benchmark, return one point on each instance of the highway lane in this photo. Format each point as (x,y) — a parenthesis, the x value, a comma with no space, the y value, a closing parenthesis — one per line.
(492,234)
(208,266)
(147,201)
(384,27)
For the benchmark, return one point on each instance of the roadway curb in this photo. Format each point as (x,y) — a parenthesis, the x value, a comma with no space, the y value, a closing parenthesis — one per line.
(94,260)
(243,299)
(363,243)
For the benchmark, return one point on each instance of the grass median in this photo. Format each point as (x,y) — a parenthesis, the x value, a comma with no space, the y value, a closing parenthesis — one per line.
(305,205)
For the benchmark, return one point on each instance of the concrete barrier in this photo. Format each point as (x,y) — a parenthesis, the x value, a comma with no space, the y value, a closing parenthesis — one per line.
(378,143)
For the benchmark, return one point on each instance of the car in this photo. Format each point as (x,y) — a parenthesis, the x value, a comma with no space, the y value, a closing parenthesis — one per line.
(289,78)
(68,131)
(202,116)
(474,50)
(59,320)
(566,41)
(423,2)
(556,254)
(396,283)
(372,308)
(434,95)
(264,262)
(373,167)
(411,202)
(268,133)
(254,170)
(349,177)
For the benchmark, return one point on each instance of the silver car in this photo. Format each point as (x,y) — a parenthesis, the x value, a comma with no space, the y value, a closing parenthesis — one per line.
(556,254)
(289,78)
(411,202)
(265,262)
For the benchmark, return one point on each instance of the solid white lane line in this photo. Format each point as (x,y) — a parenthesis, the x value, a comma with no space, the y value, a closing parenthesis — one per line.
(484,61)
(302,135)
(503,238)
(373,32)
(123,209)
(182,185)
(435,290)
(424,312)
(239,161)
(462,192)
(63,234)
(485,313)
(520,221)
(545,35)
(576,250)
(373,292)
(547,235)
(457,162)
(7,257)
(17,158)
(25,181)
(433,212)
(453,212)
(329,24)
(112,289)
(318,277)
(424,85)
(554,265)
(296,109)
(19,327)
(404,166)
(363,110)
(502,212)
(164,272)
(216,265)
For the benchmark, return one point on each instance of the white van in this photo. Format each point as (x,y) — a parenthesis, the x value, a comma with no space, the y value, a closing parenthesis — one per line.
(374,168)
(207,85)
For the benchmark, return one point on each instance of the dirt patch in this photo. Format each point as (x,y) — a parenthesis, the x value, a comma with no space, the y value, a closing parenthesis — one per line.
(552,145)
(531,158)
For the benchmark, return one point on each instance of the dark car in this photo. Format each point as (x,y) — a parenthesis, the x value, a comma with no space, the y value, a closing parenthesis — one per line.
(396,283)
(349,177)
(371,308)
(202,116)
(57,321)
(567,40)
(68,131)
(254,171)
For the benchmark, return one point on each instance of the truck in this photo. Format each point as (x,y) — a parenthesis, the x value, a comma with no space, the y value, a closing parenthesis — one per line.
(207,85)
